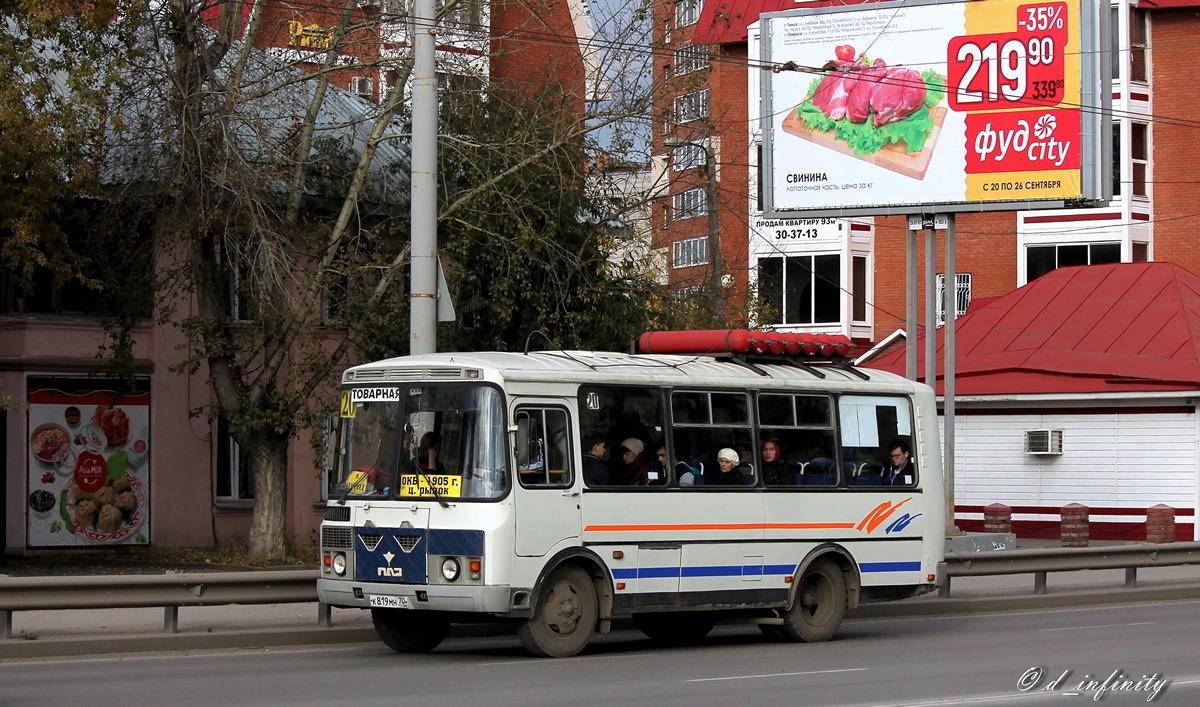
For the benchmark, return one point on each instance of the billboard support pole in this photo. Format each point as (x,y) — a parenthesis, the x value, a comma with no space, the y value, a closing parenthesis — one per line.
(950,307)
(931,306)
(910,305)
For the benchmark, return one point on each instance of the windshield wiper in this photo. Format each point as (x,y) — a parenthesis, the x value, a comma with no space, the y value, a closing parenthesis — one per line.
(421,471)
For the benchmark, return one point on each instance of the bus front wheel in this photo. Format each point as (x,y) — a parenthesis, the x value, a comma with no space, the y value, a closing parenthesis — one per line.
(819,606)
(564,616)
(409,631)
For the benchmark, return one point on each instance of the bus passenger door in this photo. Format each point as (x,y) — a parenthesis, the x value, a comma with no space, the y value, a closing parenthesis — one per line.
(547,502)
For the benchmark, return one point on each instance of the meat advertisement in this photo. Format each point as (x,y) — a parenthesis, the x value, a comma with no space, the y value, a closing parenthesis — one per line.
(88,464)
(953,103)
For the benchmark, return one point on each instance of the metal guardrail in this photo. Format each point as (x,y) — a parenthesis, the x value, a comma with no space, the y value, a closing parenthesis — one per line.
(1041,561)
(172,591)
(169,591)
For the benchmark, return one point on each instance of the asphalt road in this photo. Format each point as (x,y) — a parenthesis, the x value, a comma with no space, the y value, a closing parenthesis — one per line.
(983,659)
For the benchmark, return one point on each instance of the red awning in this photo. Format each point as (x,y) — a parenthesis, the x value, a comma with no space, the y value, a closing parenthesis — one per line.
(1166,4)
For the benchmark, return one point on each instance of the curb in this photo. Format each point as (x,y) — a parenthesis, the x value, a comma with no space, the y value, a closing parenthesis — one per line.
(28,649)
(1030,602)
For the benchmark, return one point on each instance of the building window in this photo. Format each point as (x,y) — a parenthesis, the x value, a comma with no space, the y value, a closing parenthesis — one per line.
(689,155)
(334,300)
(962,295)
(667,31)
(691,106)
(687,12)
(1041,259)
(1137,44)
(1141,252)
(1139,151)
(235,478)
(803,289)
(242,307)
(693,251)
(465,15)
(1115,36)
(693,202)
(1116,173)
(858,287)
(691,58)
(758,179)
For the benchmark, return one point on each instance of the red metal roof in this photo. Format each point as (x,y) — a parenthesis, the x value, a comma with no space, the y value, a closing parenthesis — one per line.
(1124,327)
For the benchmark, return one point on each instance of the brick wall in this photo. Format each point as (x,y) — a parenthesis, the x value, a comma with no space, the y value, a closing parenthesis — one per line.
(1174,168)
(985,247)
(535,53)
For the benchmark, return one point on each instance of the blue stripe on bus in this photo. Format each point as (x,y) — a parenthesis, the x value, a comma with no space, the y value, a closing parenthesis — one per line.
(656,572)
(743,570)
(889,566)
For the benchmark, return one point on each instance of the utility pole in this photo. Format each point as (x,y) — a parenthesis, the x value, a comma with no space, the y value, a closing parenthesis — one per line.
(716,274)
(423,268)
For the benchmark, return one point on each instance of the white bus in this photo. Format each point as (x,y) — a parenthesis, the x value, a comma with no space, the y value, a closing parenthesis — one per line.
(460,495)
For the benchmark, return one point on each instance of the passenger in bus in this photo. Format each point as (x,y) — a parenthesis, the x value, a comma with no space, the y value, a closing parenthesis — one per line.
(595,467)
(774,469)
(659,465)
(902,471)
(730,475)
(635,471)
(427,454)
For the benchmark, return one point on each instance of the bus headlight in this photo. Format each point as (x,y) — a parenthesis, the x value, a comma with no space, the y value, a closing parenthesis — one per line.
(451,569)
(339,564)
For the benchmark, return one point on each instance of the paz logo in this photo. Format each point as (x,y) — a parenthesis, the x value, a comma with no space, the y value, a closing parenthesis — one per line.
(389,571)
(1044,127)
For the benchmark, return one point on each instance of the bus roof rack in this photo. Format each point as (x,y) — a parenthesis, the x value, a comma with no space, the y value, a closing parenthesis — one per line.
(764,346)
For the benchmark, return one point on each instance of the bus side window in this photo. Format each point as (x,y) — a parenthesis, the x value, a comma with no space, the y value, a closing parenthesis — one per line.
(543,453)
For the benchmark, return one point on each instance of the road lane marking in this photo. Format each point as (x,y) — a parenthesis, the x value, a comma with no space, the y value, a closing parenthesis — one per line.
(776,675)
(1078,628)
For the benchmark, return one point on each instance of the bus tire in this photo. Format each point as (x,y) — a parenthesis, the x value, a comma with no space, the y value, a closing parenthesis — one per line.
(675,629)
(820,604)
(407,631)
(564,617)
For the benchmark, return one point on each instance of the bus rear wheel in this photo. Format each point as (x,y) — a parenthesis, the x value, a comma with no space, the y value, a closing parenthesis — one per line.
(675,629)
(409,631)
(564,616)
(820,604)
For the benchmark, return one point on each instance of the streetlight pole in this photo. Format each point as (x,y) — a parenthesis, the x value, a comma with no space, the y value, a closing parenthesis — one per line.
(714,233)
(714,224)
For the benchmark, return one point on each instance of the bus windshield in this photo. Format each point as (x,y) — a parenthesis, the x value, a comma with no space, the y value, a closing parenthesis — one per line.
(429,441)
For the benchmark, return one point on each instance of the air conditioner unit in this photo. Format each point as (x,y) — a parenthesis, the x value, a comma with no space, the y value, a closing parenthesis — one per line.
(361,85)
(1043,441)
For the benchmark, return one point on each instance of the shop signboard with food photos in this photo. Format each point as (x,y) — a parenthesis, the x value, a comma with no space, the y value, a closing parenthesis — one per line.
(88,460)
(898,107)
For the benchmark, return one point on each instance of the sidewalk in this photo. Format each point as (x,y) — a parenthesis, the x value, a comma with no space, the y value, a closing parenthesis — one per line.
(44,634)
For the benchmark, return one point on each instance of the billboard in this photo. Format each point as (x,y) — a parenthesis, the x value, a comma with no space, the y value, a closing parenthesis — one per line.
(954,106)
(88,463)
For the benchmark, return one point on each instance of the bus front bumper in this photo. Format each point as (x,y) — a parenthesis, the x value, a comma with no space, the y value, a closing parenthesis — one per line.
(425,597)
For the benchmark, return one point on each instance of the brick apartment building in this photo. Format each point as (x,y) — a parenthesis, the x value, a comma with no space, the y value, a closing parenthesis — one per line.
(524,47)
(189,480)
(848,277)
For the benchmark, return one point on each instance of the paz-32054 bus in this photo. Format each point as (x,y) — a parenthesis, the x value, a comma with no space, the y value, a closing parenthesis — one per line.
(561,490)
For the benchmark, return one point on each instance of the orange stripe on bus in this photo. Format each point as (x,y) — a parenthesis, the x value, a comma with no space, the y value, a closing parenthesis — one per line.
(719,526)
